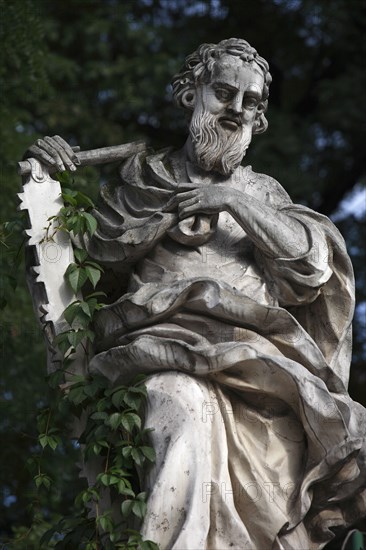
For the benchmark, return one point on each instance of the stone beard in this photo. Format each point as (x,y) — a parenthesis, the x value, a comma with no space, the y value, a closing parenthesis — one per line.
(215,148)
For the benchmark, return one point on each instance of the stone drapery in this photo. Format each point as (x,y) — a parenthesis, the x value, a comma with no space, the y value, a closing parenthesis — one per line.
(258,443)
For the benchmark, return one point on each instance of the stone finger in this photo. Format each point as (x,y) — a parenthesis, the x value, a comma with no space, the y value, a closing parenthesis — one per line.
(187,187)
(186,195)
(170,205)
(189,210)
(189,202)
(66,159)
(70,152)
(178,198)
(173,201)
(41,155)
(50,146)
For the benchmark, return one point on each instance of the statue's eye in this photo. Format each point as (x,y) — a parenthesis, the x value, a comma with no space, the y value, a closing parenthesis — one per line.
(250,102)
(223,94)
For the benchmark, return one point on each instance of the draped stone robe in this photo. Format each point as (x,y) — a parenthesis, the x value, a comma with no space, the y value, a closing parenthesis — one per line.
(258,444)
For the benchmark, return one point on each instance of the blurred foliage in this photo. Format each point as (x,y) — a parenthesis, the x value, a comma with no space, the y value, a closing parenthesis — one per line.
(97,73)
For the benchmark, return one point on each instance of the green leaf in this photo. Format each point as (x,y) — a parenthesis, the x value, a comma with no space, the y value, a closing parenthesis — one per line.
(91,223)
(97,266)
(92,305)
(83,200)
(43,439)
(76,277)
(50,440)
(137,457)
(96,449)
(149,452)
(92,389)
(126,507)
(72,267)
(93,275)
(148,545)
(64,178)
(117,397)
(69,199)
(80,254)
(105,522)
(69,190)
(139,508)
(123,490)
(62,341)
(87,496)
(54,441)
(108,479)
(42,420)
(86,309)
(139,380)
(77,224)
(132,400)
(81,320)
(56,378)
(78,379)
(72,220)
(42,479)
(115,420)
(71,312)
(140,389)
(89,335)
(101,433)
(129,420)
(102,404)
(77,395)
(77,336)
(95,294)
(65,211)
(126,451)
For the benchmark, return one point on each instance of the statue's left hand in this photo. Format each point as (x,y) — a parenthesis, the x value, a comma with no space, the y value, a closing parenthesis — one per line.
(203,199)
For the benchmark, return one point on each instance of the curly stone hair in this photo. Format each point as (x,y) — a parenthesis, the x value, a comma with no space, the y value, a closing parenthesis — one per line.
(199,65)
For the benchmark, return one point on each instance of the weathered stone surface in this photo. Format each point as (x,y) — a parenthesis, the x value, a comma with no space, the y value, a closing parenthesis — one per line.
(238,304)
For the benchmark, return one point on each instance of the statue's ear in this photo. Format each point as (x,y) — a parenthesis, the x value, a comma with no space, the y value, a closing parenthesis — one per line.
(189,99)
(260,125)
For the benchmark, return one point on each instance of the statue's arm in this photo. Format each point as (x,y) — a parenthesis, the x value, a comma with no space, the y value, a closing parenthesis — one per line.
(290,244)
(275,233)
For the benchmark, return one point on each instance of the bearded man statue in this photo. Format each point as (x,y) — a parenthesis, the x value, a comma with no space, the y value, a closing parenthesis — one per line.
(237,304)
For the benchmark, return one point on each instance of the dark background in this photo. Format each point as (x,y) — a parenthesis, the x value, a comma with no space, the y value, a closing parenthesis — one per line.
(97,73)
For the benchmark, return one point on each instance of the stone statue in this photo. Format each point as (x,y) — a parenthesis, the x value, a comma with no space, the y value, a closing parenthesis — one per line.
(237,304)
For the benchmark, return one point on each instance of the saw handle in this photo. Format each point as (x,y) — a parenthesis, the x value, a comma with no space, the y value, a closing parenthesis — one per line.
(95,156)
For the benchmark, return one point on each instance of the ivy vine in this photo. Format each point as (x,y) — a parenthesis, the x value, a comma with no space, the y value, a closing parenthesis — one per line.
(113,431)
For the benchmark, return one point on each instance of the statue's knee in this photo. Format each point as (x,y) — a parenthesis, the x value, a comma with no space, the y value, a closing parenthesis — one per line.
(174,399)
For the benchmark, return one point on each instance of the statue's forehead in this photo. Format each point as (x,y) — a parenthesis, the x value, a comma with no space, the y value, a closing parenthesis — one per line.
(232,70)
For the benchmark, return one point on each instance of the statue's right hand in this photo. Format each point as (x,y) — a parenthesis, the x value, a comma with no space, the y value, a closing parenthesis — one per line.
(54,152)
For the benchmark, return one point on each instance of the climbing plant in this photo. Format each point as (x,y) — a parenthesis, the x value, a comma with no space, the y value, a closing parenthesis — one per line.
(112,433)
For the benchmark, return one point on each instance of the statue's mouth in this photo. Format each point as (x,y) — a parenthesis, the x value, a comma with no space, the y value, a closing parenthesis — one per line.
(230,123)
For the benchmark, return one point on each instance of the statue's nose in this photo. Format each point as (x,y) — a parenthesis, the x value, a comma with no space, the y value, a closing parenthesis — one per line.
(235,107)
